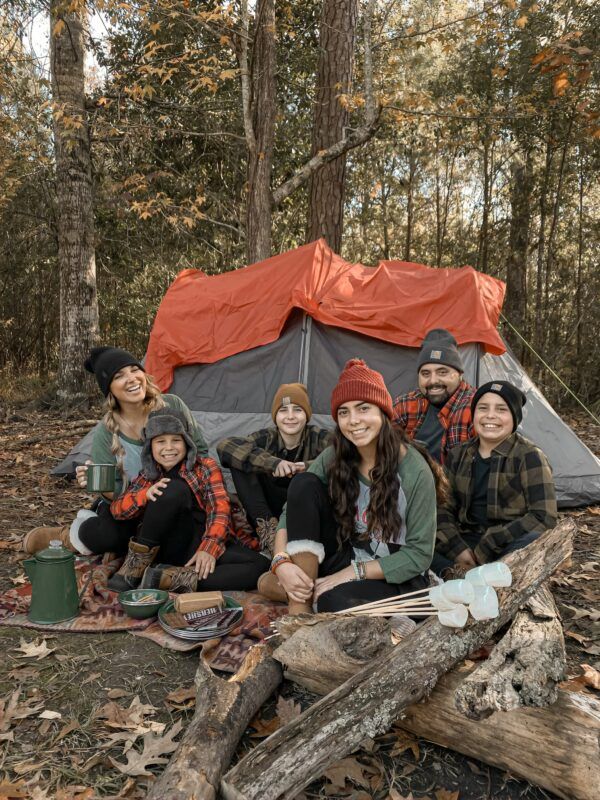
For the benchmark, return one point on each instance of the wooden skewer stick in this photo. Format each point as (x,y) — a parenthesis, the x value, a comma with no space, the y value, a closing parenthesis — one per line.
(376,603)
(376,613)
(393,609)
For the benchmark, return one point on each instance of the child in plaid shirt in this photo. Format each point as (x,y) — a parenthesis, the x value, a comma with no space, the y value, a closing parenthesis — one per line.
(184,518)
(502,492)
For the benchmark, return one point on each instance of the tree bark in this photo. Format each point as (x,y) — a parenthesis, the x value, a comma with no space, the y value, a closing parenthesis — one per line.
(556,747)
(525,667)
(223,710)
(74,204)
(369,702)
(412,171)
(261,117)
(516,262)
(337,39)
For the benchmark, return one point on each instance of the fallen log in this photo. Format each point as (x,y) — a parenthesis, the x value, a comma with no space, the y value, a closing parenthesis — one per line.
(223,710)
(557,747)
(369,702)
(525,667)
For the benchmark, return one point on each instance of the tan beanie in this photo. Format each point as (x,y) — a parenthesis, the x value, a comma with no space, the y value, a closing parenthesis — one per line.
(291,393)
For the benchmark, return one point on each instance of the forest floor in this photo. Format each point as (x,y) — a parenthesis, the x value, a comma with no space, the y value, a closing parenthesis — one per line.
(71,705)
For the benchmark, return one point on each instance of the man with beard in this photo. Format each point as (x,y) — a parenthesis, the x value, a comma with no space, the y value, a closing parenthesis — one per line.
(438,413)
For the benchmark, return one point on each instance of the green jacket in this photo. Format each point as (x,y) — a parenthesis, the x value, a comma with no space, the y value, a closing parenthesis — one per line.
(417,483)
(521,497)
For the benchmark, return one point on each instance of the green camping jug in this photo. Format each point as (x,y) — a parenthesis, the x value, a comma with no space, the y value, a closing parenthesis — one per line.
(54,595)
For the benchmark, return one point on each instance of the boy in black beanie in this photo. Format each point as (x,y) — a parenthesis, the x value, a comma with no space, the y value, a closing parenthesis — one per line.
(502,492)
(184,518)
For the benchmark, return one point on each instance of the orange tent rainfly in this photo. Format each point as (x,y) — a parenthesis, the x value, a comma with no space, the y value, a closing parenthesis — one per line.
(203,319)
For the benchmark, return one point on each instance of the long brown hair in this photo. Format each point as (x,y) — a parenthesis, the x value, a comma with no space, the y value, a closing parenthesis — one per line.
(382,513)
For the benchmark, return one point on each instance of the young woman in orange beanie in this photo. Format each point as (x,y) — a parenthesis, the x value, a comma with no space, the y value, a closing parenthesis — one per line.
(360,524)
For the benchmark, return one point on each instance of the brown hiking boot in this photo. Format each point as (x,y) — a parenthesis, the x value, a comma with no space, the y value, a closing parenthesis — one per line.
(40,538)
(269,587)
(139,556)
(174,579)
(266,530)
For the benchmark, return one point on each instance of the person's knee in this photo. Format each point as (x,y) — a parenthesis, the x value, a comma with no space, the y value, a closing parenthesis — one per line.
(303,487)
(175,495)
(336,599)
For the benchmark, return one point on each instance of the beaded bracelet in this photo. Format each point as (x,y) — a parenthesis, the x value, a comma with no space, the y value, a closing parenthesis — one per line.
(278,560)
(360,570)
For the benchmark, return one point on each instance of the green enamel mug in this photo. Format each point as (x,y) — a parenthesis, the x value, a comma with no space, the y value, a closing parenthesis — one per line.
(101,477)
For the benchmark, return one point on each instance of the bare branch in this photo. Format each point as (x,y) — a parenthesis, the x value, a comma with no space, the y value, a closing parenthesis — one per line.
(242,55)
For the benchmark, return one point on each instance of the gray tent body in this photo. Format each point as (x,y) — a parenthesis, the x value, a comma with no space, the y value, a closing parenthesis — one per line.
(233,395)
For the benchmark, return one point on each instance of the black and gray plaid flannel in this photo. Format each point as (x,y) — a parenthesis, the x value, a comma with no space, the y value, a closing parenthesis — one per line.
(264,449)
(521,498)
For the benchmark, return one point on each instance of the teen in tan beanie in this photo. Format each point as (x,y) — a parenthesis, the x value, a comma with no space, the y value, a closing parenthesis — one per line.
(263,463)
(360,524)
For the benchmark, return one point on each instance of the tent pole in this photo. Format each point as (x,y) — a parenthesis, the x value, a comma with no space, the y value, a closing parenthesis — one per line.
(305,349)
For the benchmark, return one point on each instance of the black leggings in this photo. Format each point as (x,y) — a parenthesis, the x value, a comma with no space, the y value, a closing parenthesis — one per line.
(176,524)
(310,516)
(261,495)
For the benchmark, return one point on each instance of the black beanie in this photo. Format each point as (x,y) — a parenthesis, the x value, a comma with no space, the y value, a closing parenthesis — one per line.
(161,421)
(104,362)
(440,347)
(512,396)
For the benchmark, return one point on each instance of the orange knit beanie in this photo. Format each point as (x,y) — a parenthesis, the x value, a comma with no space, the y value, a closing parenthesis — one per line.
(358,382)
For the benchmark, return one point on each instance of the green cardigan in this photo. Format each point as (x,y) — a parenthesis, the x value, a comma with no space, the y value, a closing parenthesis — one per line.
(418,485)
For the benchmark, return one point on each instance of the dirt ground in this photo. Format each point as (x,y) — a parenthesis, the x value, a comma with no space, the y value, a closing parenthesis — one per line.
(75,721)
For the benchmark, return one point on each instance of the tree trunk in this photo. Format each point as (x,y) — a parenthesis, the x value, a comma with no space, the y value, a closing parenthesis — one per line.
(223,710)
(369,702)
(412,171)
(483,251)
(556,747)
(74,205)
(541,248)
(524,668)
(260,153)
(337,39)
(516,262)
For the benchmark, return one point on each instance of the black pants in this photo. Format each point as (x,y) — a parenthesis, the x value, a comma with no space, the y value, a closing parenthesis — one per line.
(310,516)
(176,524)
(441,563)
(261,495)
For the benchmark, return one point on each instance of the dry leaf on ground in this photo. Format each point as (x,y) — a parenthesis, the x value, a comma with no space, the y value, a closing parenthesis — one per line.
(12,710)
(34,649)
(131,718)
(347,769)
(589,679)
(287,710)
(263,727)
(404,741)
(155,748)
(10,790)
(182,697)
(446,794)
(47,714)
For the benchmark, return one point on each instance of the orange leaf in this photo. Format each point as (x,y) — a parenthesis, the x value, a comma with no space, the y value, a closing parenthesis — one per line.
(560,84)
(521,22)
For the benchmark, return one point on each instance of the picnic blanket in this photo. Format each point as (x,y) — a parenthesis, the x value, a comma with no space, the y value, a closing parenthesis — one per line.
(100,612)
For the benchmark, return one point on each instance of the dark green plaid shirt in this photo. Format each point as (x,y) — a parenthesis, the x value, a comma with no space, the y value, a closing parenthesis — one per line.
(520,499)
(264,449)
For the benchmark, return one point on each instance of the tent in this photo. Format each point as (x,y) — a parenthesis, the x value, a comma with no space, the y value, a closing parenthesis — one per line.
(224,343)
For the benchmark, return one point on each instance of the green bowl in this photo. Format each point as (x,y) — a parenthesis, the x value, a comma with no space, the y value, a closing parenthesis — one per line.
(131,605)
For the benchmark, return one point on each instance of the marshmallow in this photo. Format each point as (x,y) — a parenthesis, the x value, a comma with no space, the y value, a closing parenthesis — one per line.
(438,601)
(496,573)
(456,618)
(457,591)
(485,603)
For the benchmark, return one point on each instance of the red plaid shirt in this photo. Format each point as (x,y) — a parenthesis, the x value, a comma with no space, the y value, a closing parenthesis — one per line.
(455,417)
(206,482)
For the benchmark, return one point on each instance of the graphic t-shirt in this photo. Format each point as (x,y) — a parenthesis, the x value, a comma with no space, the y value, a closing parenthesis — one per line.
(373,547)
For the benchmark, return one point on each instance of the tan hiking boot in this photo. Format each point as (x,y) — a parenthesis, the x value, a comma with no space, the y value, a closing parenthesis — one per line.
(269,587)
(139,556)
(266,530)
(173,579)
(40,538)
(308,563)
